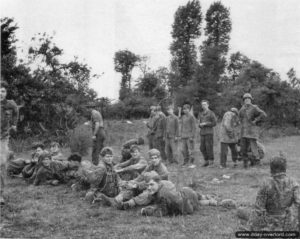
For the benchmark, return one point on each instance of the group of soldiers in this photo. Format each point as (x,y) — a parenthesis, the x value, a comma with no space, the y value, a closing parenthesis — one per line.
(237,128)
(135,181)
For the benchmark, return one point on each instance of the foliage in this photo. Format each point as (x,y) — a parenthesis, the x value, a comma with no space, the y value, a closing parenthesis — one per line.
(185,30)
(124,62)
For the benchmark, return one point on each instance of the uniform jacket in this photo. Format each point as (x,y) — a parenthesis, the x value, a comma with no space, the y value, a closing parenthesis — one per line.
(9,116)
(169,201)
(247,114)
(273,203)
(229,132)
(188,126)
(172,127)
(159,125)
(208,117)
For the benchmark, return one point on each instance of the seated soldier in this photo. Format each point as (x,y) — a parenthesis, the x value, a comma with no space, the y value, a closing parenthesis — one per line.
(55,152)
(272,209)
(58,171)
(168,201)
(101,178)
(14,165)
(39,155)
(131,168)
(125,152)
(135,190)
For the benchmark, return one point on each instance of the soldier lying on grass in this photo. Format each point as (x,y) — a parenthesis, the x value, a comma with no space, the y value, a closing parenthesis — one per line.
(137,189)
(168,201)
(55,171)
(131,168)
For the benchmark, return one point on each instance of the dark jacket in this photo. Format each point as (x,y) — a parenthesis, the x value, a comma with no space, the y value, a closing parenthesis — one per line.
(172,127)
(208,117)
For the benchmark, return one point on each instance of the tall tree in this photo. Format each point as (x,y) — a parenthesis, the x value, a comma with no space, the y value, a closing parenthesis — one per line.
(213,51)
(185,30)
(124,62)
(293,79)
(236,63)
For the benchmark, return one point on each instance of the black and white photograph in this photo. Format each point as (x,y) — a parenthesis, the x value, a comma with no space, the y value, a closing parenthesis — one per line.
(139,119)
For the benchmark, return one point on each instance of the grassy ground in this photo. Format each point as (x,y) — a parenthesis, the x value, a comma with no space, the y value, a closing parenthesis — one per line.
(57,212)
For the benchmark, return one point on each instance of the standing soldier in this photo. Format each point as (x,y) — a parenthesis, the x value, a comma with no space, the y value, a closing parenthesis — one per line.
(171,136)
(187,135)
(229,136)
(150,125)
(98,133)
(9,119)
(159,131)
(249,116)
(207,120)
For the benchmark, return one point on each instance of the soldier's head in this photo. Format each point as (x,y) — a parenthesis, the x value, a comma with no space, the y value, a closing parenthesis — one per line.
(38,148)
(107,155)
(247,98)
(153,184)
(135,151)
(170,110)
(278,165)
(205,105)
(152,109)
(234,110)
(54,147)
(75,157)
(3,90)
(154,156)
(186,108)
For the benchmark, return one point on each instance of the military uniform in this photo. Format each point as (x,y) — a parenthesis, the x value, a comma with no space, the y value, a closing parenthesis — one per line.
(249,115)
(150,134)
(98,143)
(187,135)
(9,117)
(171,134)
(132,168)
(101,178)
(125,152)
(207,134)
(159,130)
(229,137)
(170,202)
(272,209)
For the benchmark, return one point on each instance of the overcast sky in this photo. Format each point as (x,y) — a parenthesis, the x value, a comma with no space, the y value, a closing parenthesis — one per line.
(93,30)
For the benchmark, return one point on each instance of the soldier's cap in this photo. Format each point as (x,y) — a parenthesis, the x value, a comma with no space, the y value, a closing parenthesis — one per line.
(140,141)
(36,145)
(278,164)
(75,157)
(153,152)
(247,95)
(234,110)
(106,150)
(134,147)
(152,107)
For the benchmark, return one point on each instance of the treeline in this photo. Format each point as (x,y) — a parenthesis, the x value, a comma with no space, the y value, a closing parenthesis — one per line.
(201,68)
(52,93)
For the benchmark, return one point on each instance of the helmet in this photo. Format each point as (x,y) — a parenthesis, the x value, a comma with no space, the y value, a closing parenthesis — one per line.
(234,110)
(247,95)
(153,152)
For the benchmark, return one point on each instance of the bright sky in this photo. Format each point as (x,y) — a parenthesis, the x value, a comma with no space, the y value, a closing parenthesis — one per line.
(93,30)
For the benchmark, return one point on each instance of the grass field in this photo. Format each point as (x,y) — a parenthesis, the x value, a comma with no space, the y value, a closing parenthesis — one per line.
(57,212)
